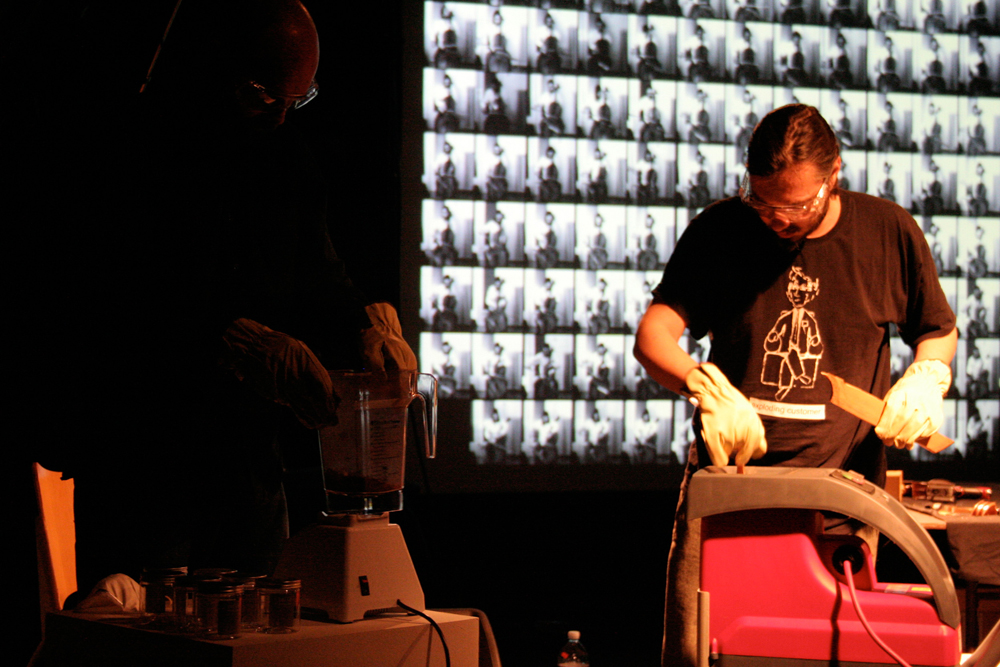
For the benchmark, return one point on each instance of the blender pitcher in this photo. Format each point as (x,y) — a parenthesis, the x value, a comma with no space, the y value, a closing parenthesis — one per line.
(364,453)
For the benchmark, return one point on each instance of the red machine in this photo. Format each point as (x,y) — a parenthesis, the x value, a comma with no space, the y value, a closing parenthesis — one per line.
(773,589)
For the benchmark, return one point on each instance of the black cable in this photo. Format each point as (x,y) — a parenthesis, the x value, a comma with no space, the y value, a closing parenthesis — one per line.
(447,654)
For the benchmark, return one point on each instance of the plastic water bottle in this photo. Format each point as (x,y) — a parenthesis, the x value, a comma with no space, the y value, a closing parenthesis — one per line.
(573,654)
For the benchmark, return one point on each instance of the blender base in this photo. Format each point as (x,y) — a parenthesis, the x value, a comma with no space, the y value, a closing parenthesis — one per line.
(352,566)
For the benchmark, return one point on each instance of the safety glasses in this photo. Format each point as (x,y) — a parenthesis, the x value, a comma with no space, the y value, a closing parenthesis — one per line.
(268,100)
(788,212)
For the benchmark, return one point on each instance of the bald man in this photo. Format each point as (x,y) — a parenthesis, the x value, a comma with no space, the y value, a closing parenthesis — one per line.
(204,302)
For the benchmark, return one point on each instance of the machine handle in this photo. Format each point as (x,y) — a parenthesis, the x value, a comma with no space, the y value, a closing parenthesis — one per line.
(715,490)
(427,394)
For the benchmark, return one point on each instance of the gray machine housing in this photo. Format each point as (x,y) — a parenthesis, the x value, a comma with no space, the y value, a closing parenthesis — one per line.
(716,490)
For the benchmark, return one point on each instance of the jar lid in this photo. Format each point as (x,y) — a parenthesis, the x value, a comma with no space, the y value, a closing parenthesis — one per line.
(214,571)
(241,580)
(150,572)
(169,570)
(217,587)
(165,576)
(272,583)
(192,580)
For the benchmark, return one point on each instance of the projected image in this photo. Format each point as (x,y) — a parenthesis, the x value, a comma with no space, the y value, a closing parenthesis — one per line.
(567,145)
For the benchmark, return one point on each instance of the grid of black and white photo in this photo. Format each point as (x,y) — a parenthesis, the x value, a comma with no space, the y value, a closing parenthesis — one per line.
(567,145)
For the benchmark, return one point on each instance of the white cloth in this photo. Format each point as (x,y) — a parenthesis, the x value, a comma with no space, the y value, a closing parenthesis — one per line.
(114,594)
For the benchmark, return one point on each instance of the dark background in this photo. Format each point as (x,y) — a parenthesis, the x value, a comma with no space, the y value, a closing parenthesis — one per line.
(590,556)
(537,563)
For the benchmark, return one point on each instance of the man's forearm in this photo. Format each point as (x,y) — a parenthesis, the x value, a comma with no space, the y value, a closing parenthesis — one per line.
(656,347)
(941,348)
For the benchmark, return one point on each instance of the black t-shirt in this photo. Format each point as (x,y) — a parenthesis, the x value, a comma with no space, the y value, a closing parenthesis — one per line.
(183,228)
(779,313)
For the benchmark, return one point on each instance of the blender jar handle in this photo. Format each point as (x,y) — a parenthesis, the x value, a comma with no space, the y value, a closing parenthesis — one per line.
(427,394)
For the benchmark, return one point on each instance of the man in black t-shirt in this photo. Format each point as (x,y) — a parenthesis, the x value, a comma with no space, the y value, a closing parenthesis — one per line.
(791,279)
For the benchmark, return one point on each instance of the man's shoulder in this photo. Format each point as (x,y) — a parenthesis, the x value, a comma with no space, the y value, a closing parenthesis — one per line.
(870,206)
(874,212)
(719,207)
(867,198)
(720,214)
(723,224)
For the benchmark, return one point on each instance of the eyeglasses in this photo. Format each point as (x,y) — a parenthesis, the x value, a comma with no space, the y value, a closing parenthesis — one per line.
(788,212)
(269,100)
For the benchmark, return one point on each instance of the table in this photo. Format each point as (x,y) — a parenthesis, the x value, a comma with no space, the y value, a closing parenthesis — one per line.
(927,521)
(972,550)
(78,640)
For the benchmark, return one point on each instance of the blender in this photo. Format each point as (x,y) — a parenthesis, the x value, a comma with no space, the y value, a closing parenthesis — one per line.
(353,563)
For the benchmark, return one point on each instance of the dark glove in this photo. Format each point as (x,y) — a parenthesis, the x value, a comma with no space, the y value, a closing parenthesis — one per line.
(281,369)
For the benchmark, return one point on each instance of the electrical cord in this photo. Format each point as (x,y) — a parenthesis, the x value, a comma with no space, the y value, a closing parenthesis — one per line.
(447,654)
(864,621)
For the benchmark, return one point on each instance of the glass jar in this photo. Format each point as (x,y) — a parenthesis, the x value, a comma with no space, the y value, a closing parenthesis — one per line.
(185,593)
(280,604)
(217,605)
(251,620)
(156,600)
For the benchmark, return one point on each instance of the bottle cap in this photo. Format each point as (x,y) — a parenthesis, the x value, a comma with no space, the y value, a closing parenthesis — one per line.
(573,635)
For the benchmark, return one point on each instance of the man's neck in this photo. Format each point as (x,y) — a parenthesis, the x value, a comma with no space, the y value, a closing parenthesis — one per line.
(829,220)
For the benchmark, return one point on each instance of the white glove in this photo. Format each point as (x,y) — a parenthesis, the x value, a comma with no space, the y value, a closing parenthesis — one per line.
(383,347)
(728,422)
(914,407)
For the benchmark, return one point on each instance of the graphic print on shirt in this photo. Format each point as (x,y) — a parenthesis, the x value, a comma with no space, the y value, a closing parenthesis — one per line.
(793,347)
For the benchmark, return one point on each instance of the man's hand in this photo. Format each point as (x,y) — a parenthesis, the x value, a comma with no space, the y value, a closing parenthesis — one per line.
(383,347)
(728,422)
(914,407)
(281,369)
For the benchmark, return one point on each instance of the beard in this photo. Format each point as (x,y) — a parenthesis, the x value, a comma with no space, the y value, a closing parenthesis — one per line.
(798,231)
(813,224)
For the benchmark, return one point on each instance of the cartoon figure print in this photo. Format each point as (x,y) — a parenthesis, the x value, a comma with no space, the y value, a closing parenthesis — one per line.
(793,347)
